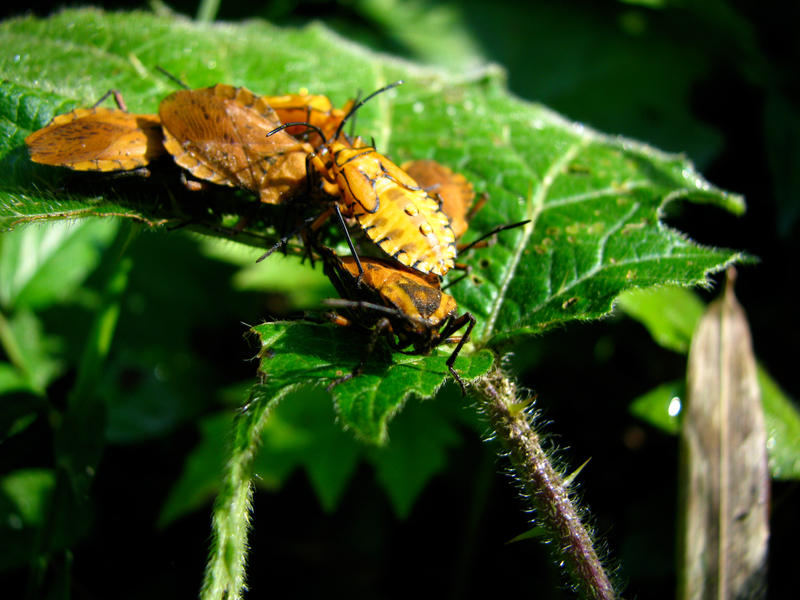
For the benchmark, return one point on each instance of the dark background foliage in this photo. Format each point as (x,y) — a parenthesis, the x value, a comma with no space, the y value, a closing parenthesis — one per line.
(717,80)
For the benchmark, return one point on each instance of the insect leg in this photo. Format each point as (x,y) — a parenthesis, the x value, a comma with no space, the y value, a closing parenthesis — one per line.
(284,239)
(461,266)
(497,229)
(350,243)
(117,98)
(454,326)
(484,197)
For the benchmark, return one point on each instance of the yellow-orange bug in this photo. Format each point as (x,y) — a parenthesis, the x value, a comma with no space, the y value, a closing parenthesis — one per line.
(98,139)
(219,134)
(390,299)
(392,209)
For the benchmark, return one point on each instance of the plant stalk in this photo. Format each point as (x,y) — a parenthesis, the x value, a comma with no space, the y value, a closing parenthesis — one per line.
(544,486)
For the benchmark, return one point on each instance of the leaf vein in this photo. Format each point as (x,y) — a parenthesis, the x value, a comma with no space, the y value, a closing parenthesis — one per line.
(535,205)
(595,194)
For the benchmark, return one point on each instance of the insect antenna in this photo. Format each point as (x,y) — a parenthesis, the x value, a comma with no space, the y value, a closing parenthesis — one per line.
(174,78)
(353,122)
(295,124)
(497,229)
(361,103)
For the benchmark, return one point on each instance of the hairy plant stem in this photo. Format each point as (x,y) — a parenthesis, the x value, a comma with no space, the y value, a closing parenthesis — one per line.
(544,486)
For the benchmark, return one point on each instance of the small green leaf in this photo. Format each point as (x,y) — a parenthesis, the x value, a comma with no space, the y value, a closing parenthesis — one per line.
(11,379)
(29,491)
(44,265)
(35,355)
(670,314)
(569,479)
(782,420)
(21,402)
(532,534)
(661,406)
(24,498)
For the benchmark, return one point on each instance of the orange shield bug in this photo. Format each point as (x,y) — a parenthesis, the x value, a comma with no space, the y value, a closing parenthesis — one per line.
(411,308)
(98,139)
(392,209)
(219,134)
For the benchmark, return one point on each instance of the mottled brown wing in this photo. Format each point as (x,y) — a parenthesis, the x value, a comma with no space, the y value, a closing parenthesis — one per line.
(97,139)
(219,134)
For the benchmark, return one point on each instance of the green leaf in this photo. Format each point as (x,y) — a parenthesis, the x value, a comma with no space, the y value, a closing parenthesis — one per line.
(285,275)
(24,495)
(420,438)
(34,354)
(594,201)
(42,266)
(782,129)
(301,433)
(439,35)
(177,308)
(298,353)
(661,406)
(28,490)
(670,314)
(583,60)
(21,402)
(782,420)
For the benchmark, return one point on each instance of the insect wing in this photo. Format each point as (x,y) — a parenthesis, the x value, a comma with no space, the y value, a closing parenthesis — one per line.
(219,134)
(97,139)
